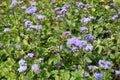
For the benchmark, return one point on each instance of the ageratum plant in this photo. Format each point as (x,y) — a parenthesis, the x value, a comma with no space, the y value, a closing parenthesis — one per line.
(59,40)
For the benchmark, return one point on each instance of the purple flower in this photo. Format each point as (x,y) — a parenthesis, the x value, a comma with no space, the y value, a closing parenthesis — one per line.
(92,67)
(92,17)
(52,1)
(119,11)
(18,47)
(28,23)
(40,60)
(90,37)
(22,69)
(37,27)
(29,55)
(85,20)
(57,9)
(85,74)
(76,42)
(66,6)
(113,17)
(83,29)
(22,62)
(104,65)
(14,3)
(31,10)
(74,49)
(68,33)
(88,6)
(35,68)
(80,4)
(1,44)
(98,76)
(6,30)
(112,4)
(88,47)
(100,19)
(11,11)
(117,72)
(40,17)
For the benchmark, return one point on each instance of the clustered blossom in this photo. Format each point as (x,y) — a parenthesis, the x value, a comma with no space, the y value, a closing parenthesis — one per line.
(13,3)
(68,33)
(40,60)
(87,19)
(82,5)
(117,72)
(74,49)
(83,29)
(22,69)
(29,55)
(85,74)
(119,11)
(90,37)
(40,17)
(6,30)
(98,76)
(35,68)
(78,42)
(61,12)
(29,24)
(114,17)
(31,10)
(36,27)
(104,64)
(100,19)
(52,1)
(23,66)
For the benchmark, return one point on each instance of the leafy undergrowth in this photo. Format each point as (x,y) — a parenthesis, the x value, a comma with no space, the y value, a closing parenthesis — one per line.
(59,40)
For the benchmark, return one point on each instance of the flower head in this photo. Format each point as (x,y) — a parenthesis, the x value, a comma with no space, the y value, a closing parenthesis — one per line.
(88,47)
(22,62)
(83,29)
(35,68)
(117,72)
(6,30)
(36,27)
(114,17)
(14,3)
(90,37)
(31,10)
(104,65)
(98,76)
(85,74)
(29,55)
(40,17)
(22,69)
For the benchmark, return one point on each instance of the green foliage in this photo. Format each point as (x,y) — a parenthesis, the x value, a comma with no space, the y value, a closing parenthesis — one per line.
(50,42)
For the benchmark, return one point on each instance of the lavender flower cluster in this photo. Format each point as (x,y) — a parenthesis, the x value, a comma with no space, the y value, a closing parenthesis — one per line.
(23,64)
(87,19)
(61,12)
(78,42)
(29,24)
(82,5)
(105,65)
